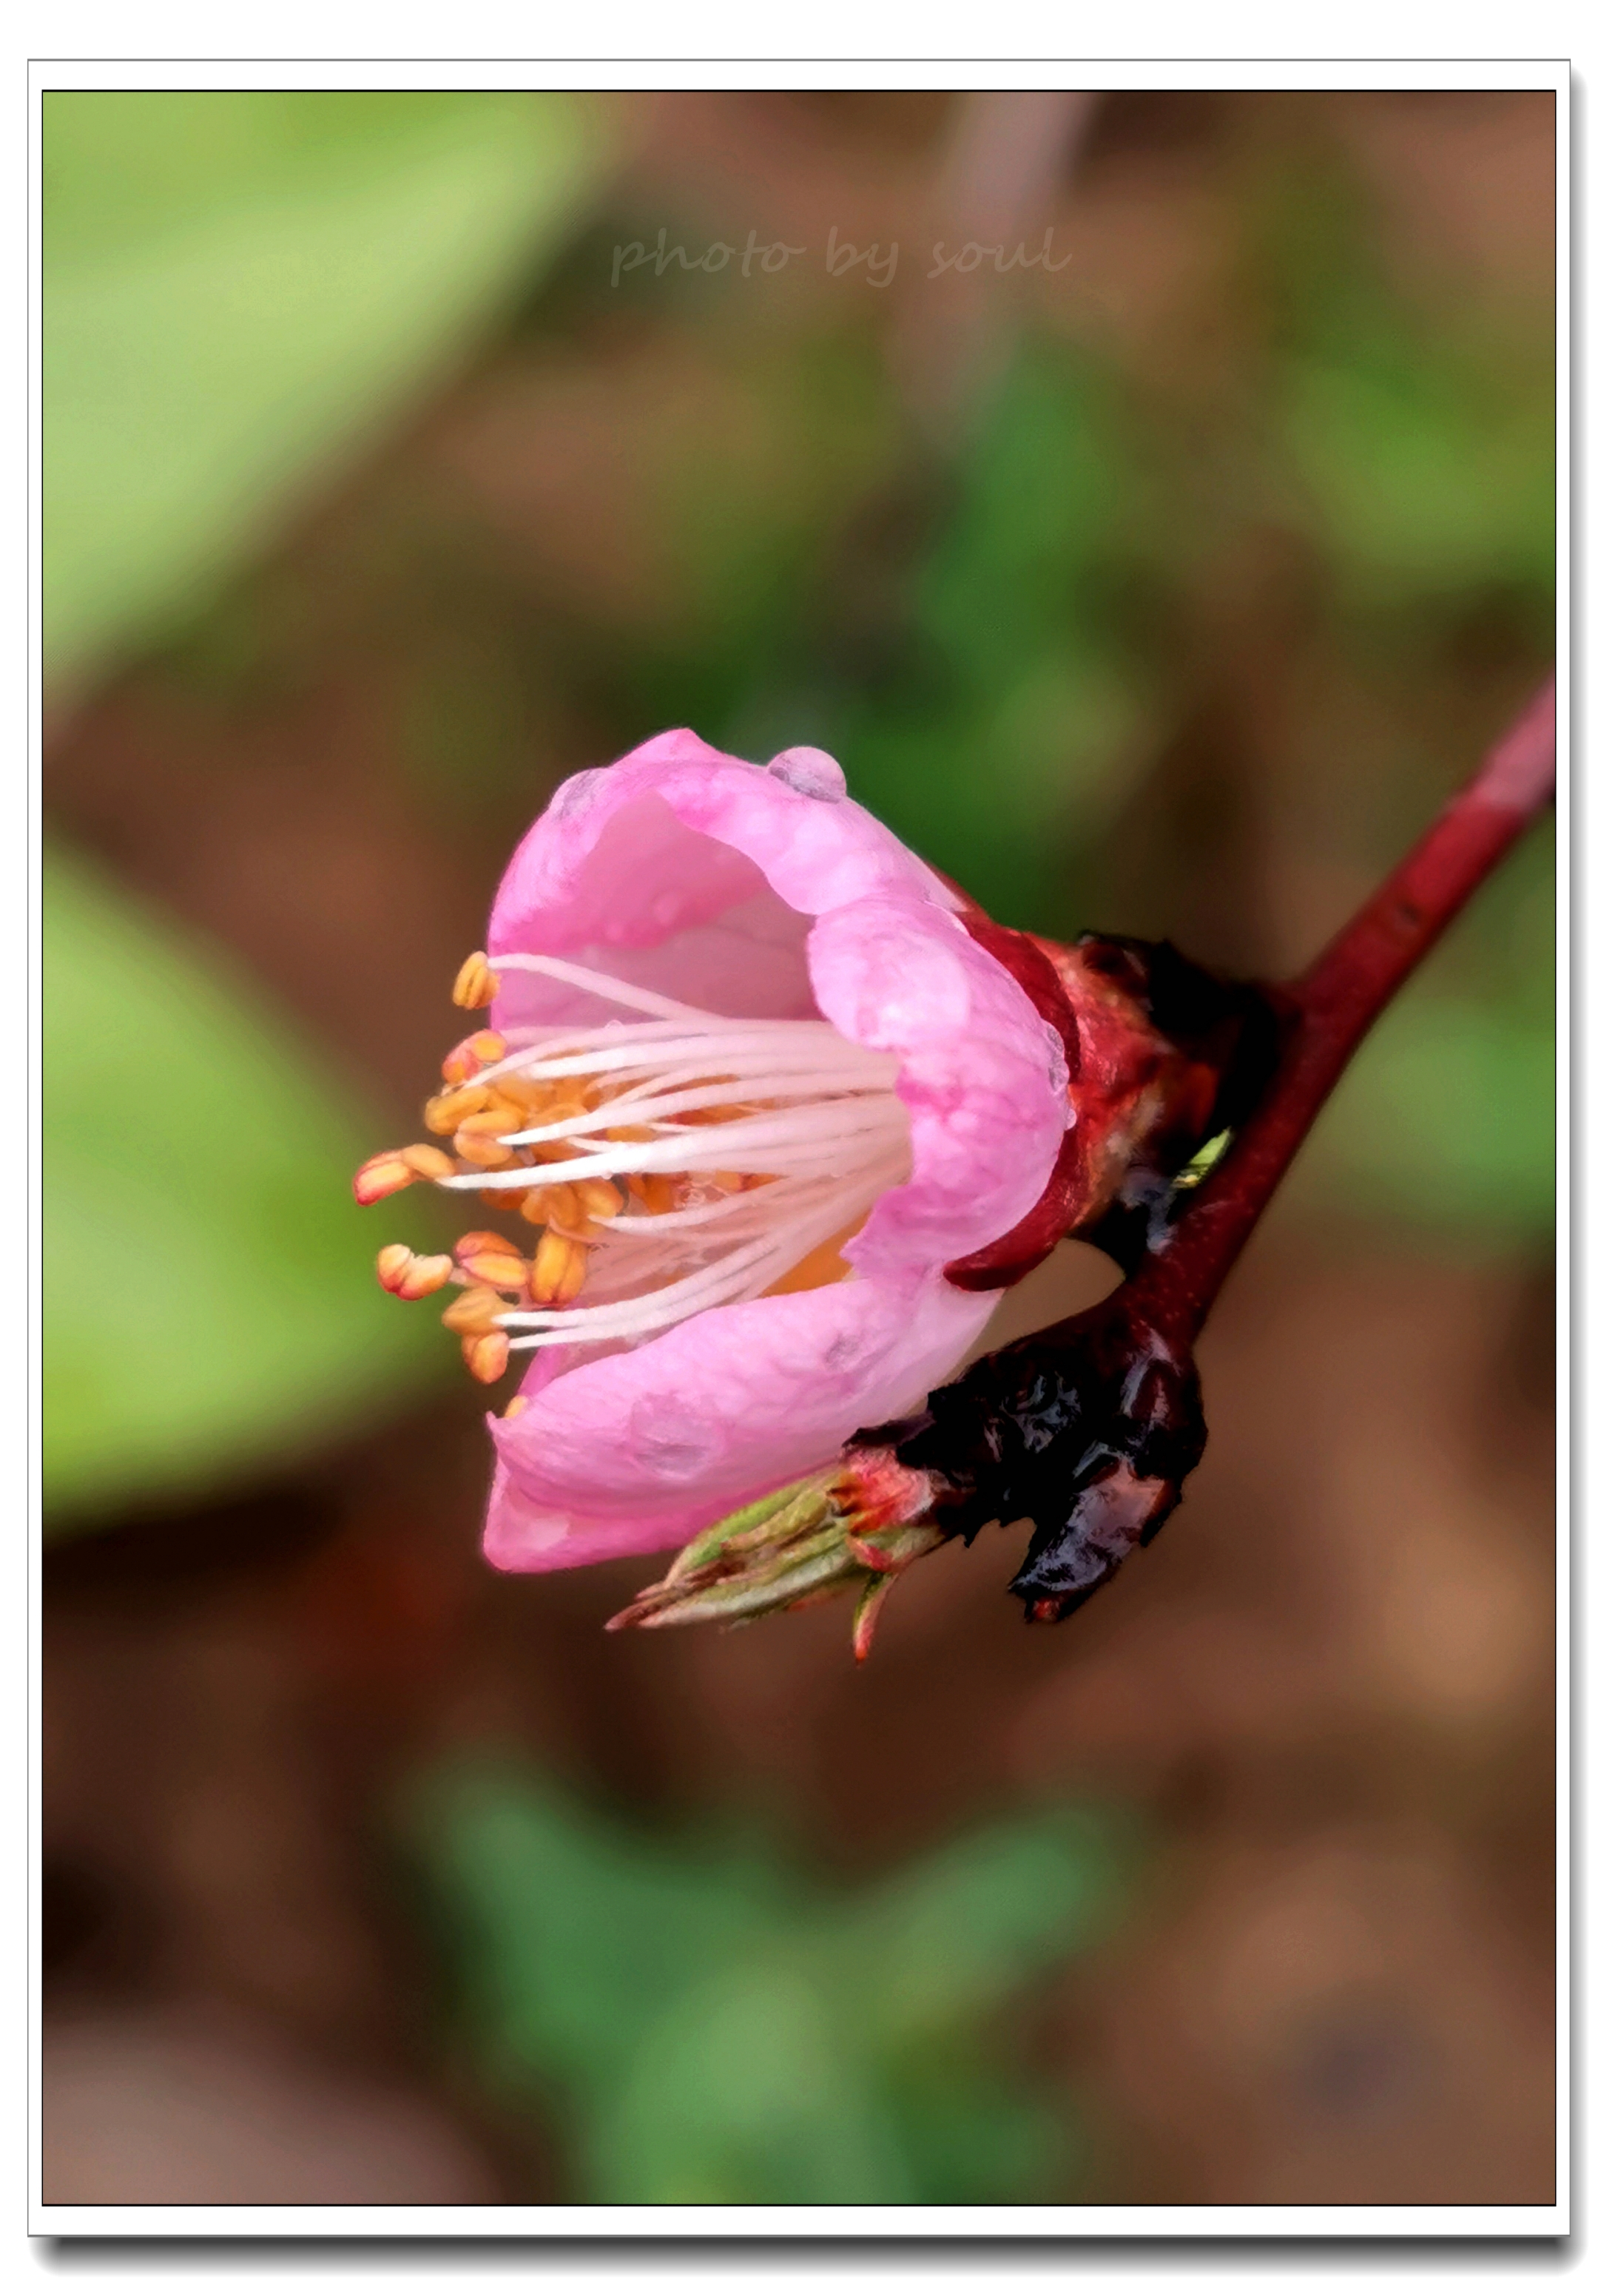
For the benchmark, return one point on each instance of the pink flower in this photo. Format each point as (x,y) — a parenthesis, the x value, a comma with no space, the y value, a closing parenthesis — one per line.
(772,1088)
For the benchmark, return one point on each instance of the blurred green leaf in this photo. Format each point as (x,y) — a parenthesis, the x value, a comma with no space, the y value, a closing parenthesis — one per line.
(947,1939)
(1006,727)
(711,2026)
(1431,471)
(1417,429)
(208,1297)
(745,2089)
(1449,1119)
(238,286)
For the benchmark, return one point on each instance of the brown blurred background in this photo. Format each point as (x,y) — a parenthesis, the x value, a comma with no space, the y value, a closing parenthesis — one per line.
(1165,589)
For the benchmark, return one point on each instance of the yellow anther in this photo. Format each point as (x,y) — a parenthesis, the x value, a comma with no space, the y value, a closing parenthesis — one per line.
(824,1265)
(489,1258)
(426,1161)
(482,1239)
(506,1271)
(471,1054)
(656,1191)
(394,1263)
(600,1198)
(558,1267)
(561,1205)
(400,1271)
(395,1168)
(446,1109)
(502,1199)
(382,1176)
(474,1312)
(477,1139)
(476,983)
(512,1115)
(526,1107)
(515,1407)
(486,1355)
(487,1155)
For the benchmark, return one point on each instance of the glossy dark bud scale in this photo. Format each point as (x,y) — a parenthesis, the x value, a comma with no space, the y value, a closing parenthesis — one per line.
(1088,1430)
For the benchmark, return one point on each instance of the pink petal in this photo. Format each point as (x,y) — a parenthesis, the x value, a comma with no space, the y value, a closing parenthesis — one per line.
(981,1074)
(640,1450)
(694,873)
(767,892)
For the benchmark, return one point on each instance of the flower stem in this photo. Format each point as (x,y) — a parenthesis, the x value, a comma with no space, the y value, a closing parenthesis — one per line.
(1327,1011)
(1091,1427)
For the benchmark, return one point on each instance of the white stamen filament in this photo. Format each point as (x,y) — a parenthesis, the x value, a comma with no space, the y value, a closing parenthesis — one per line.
(740,1274)
(819,1128)
(614,992)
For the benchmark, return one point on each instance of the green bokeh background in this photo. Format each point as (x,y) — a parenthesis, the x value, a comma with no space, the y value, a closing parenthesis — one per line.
(1013,631)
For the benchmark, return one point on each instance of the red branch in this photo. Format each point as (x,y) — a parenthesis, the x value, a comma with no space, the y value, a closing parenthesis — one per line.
(1328,1009)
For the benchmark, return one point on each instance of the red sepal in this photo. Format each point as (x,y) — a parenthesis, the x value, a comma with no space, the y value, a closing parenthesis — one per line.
(1135,1096)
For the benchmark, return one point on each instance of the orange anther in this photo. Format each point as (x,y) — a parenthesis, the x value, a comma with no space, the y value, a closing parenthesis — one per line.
(515,1407)
(631,1132)
(446,1109)
(558,1267)
(476,983)
(394,1263)
(510,1114)
(524,1092)
(474,1312)
(483,1149)
(483,1239)
(471,1054)
(478,1137)
(486,1355)
(401,1272)
(426,1161)
(382,1176)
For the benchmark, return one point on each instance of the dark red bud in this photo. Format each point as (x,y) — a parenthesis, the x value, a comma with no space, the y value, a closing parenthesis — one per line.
(1161,1054)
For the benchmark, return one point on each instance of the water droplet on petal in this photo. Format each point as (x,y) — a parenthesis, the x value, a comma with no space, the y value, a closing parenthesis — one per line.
(811,772)
(671,1443)
(576,795)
